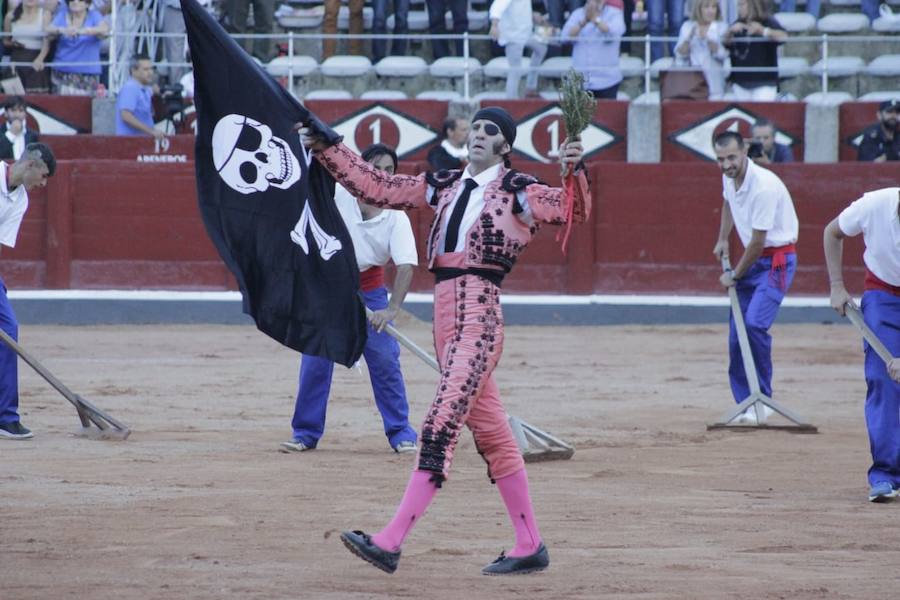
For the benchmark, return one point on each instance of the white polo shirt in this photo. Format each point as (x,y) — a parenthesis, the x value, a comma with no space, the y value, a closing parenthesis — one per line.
(875,216)
(12,208)
(763,203)
(380,239)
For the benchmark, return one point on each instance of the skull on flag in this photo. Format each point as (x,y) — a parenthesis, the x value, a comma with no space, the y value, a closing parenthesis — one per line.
(249,158)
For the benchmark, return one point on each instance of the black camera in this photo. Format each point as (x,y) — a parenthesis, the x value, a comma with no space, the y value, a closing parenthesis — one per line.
(173,99)
(755,150)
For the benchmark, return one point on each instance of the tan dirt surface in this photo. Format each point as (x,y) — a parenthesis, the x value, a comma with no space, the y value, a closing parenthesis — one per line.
(199,503)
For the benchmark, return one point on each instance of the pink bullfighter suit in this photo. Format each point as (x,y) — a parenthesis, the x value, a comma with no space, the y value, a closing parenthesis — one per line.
(468,320)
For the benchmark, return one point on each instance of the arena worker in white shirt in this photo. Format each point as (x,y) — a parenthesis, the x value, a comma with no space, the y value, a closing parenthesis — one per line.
(759,206)
(877,217)
(30,171)
(379,236)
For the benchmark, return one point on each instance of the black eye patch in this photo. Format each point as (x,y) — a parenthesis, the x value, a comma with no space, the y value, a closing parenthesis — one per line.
(491,129)
(249,139)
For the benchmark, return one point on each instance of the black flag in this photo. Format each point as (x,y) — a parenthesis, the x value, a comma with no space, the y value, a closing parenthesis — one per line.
(267,207)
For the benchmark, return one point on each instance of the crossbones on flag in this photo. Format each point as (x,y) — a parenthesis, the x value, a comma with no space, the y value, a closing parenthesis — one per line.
(267,207)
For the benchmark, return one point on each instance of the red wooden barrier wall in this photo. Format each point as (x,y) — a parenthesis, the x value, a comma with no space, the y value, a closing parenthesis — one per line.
(126,225)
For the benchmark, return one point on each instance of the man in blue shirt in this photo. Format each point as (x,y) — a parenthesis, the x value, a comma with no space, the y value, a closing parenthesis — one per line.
(134,109)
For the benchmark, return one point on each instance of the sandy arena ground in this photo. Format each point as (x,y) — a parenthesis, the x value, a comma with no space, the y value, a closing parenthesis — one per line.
(199,502)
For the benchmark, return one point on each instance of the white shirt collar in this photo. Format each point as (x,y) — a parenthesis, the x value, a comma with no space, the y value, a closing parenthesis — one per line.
(454,151)
(485,177)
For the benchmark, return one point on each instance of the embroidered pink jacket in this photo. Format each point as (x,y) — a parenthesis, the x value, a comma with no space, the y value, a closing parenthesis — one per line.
(496,239)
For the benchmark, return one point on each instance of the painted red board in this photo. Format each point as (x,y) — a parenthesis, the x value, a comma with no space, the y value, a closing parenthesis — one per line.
(651,231)
(540,130)
(688,126)
(854,117)
(132,211)
(51,114)
(412,127)
(657,224)
(172,149)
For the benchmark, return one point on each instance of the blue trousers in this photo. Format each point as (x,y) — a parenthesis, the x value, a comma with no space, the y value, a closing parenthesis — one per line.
(664,17)
(382,354)
(882,314)
(760,293)
(9,373)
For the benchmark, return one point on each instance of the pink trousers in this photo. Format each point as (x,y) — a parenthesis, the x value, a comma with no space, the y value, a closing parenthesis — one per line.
(468,339)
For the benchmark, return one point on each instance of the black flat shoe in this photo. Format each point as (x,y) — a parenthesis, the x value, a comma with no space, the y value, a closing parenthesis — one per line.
(519,565)
(361,544)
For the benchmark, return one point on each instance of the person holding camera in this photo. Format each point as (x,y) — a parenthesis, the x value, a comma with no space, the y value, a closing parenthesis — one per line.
(759,206)
(753,42)
(764,150)
(134,106)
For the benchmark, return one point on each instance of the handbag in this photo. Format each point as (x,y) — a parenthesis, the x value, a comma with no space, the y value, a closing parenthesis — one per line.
(683,84)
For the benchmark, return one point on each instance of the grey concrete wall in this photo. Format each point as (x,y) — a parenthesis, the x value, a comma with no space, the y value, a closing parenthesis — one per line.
(821,131)
(645,129)
(103,116)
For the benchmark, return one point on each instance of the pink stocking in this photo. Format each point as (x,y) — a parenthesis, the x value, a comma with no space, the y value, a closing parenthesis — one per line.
(419,493)
(514,491)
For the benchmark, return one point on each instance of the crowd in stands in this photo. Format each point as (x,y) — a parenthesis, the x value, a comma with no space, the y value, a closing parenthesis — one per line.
(58,45)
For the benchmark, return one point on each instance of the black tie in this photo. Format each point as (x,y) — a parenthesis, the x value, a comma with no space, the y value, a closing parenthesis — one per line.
(457,215)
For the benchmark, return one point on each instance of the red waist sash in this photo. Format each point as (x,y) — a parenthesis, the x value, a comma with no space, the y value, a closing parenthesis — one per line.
(874,283)
(371,279)
(779,260)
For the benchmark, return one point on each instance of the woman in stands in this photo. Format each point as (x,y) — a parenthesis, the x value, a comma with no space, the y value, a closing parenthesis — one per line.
(700,45)
(596,29)
(753,43)
(78,31)
(512,27)
(26,24)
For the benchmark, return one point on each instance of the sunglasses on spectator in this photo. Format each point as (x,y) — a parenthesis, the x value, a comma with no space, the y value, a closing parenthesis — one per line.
(490,129)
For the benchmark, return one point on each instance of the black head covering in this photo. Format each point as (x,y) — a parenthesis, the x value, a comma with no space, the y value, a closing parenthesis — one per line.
(501,119)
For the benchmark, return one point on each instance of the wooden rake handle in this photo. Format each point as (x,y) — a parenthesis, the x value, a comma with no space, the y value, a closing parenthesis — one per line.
(87,412)
(856,317)
(407,343)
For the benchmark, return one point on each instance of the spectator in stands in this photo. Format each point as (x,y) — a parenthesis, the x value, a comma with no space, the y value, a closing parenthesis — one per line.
(512,27)
(453,151)
(753,44)
(329,25)
(78,31)
(596,29)
(871,8)
(134,106)
(187,80)
(437,11)
(664,17)
(764,146)
(171,22)
(239,11)
(379,26)
(700,45)
(813,7)
(14,134)
(26,24)
(881,141)
(557,9)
